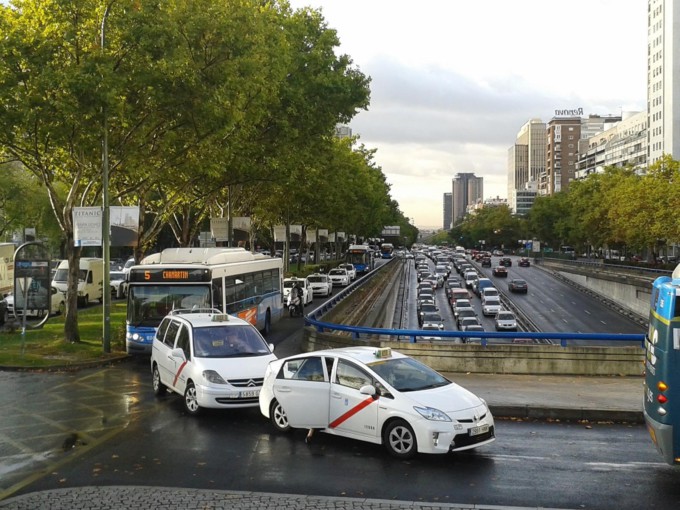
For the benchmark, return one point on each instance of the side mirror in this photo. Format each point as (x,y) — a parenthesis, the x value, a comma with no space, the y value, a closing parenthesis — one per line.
(271,347)
(369,389)
(177,353)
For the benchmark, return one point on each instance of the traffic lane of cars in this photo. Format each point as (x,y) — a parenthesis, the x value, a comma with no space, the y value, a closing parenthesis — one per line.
(556,306)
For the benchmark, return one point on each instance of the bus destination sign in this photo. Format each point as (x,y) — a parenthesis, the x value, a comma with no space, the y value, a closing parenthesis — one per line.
(177,274)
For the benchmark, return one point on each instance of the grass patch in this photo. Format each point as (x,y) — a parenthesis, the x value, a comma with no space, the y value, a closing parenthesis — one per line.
(46,347)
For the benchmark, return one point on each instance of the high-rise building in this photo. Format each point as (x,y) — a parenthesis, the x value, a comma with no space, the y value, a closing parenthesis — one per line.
(563,136)
(447,211)
(467,189)
(663,80)
(526,160)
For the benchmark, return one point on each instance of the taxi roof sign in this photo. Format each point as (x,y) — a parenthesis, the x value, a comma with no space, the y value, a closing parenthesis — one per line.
(220,317)
(383,352)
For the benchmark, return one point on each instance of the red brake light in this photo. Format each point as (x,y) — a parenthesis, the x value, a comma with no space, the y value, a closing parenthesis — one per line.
(662,399)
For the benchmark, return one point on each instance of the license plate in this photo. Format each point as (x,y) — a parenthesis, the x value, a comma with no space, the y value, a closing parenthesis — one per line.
(482,429)
(250,394)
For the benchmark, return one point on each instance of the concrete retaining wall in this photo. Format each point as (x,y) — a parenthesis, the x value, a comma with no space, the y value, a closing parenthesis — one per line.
(499,359)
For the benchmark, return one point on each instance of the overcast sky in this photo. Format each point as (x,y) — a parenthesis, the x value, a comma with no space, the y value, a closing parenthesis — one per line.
(453,81)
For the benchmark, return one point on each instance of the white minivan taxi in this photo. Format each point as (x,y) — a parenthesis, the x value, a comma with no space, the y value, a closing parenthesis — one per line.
(213,360)
(376,395)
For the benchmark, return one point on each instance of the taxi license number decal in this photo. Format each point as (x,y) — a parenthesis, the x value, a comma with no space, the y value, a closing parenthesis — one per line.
(250,394)
(482,429)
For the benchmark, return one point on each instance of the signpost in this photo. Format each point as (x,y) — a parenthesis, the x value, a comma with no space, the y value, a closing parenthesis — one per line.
(32,284)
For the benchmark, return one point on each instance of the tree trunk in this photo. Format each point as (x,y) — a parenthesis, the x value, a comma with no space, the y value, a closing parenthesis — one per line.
(71,330)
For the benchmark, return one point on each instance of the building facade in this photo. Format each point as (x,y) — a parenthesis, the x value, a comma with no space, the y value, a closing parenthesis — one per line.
(663,83)
(447,211)
(563,136)
(467,190)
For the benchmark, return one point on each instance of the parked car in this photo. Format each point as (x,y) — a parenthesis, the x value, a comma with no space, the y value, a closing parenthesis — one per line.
(518,285)
(4,315)
(118,284)
(524,262)
(351,270)
(214,360)
(500,271)
(57,305)
(321,284)
(506,321)
(391,398)
(339,277)
(307,290)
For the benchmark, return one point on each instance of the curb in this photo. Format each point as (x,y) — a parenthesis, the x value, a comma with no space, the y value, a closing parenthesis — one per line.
(530,412)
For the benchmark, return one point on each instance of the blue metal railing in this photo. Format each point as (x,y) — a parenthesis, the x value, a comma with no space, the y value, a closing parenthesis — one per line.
(413,335)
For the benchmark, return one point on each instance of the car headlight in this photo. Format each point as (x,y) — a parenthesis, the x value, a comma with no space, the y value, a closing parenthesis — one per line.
(213,377)
(430,413)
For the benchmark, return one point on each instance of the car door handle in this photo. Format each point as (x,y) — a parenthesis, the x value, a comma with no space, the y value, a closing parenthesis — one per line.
(284,389)
(336,395)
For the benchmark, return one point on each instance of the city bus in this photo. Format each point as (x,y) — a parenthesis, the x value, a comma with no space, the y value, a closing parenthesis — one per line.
(387,250)
(361,256)
(662,368)
(232,280)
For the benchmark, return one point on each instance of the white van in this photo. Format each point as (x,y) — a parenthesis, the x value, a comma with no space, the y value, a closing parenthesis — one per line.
(90,279)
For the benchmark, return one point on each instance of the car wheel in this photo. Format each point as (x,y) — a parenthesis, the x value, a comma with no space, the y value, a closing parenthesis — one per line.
(86,301)
(191,400)
(62,308)
(3,317)
(278,417)
(400,440)
(158,387)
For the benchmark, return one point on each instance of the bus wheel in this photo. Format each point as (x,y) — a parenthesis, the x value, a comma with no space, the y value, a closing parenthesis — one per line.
(267,323)
(191,400)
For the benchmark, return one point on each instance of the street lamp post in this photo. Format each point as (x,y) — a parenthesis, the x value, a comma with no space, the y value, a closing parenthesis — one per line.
(106,241)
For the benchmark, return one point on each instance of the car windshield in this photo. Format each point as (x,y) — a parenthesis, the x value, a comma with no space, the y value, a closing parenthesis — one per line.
(316,279)
(289,284)
(117,275)
(228,341)
(492,301)
(432,317)
(337,272)
(506,316)
(407,374)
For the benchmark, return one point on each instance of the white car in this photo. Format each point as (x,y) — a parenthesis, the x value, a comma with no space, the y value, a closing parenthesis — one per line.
(351,270)
(307,290)
(376,395)
(506,321)
(57,305)
(213,359)
(321,284)
(339,277)
(491,305)
(118,284)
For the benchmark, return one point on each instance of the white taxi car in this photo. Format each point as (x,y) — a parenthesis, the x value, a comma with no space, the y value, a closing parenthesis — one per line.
(376,395)
(351,270)
(213,359)
(304,283)
(321,284)
(339,276)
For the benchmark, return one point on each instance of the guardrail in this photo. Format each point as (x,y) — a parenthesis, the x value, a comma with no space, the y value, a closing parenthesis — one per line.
(414,334)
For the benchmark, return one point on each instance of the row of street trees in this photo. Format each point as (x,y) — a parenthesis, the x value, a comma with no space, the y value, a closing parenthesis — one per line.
(198,98)
(616,209)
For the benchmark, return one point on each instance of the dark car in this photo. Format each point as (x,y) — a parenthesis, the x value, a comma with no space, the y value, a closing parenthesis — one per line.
(500,271)
(524,262)
(506,261)
(518,285)
(465,313)
(486,262)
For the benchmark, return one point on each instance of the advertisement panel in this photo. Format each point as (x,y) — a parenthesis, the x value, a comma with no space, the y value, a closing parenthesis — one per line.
(87,226)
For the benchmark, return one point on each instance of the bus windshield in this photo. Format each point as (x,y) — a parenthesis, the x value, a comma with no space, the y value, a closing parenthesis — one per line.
(148,304)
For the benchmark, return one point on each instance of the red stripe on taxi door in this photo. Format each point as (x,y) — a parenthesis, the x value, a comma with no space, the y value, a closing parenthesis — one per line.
(181,367)
(361,405)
